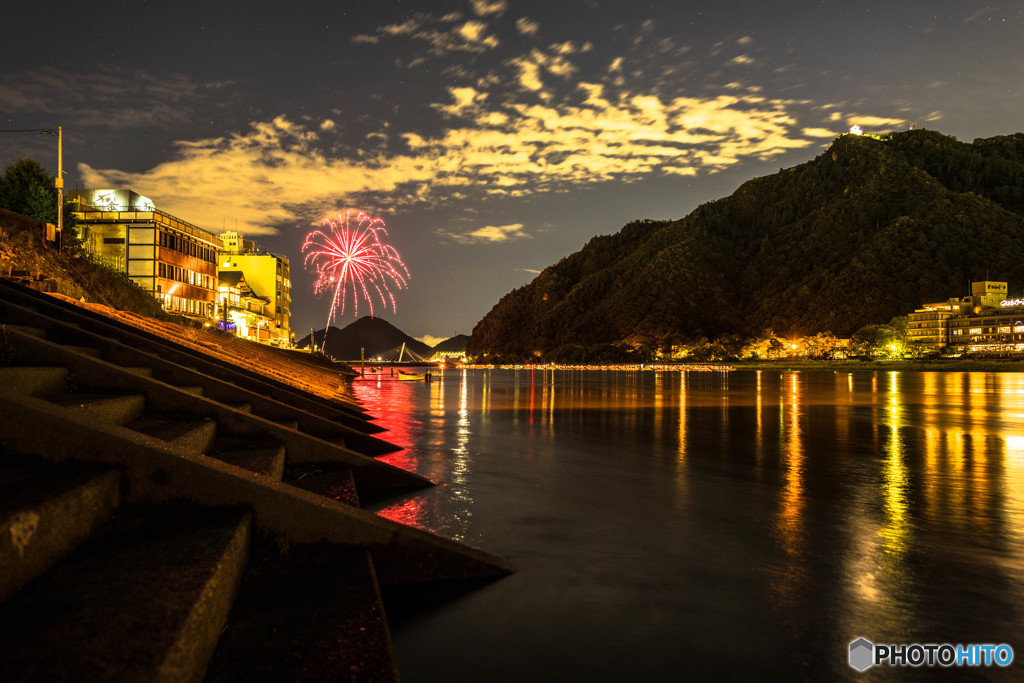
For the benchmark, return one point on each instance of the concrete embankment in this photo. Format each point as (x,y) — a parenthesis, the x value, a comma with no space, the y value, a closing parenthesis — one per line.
(170,515)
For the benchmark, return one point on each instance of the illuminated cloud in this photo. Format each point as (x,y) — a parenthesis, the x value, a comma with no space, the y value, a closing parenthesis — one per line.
(272,175)
(430,340)
(527,127)
(527,27)
(445,34)
(482,8)
(818,133)
(491,233)
(875,121)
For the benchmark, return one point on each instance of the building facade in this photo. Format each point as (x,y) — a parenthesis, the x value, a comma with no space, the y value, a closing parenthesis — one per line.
(986,321)
(241,311)
(170,258)
(268,276)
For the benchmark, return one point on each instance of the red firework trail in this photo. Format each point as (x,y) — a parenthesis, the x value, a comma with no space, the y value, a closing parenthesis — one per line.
(352,261)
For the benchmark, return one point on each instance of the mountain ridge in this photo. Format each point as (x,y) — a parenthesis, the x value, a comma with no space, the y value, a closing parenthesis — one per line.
(870,229)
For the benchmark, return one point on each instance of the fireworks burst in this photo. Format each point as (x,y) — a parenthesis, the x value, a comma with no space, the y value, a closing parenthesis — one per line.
(352,261)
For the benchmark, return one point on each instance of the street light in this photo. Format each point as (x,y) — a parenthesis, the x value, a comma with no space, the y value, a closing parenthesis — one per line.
(59,182)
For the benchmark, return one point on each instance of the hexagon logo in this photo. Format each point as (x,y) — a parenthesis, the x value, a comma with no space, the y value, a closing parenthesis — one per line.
(862,654)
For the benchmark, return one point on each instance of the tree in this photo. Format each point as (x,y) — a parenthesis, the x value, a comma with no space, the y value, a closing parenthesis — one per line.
(821,345)
(881,340)
(28,188)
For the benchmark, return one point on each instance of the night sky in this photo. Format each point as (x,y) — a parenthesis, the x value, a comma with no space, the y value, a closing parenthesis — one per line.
(493,137)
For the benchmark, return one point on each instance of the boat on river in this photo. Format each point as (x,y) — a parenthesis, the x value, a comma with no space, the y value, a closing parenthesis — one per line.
(411,376)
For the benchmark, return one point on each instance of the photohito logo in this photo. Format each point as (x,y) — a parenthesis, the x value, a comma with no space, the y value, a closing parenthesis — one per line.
(864,654)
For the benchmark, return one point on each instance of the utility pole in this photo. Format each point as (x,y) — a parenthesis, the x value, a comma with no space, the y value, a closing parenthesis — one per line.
(59,182)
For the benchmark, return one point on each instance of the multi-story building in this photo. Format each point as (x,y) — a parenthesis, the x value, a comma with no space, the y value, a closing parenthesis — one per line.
(267,275)
(985,321)
(928,326)
(164,255)
(240,310)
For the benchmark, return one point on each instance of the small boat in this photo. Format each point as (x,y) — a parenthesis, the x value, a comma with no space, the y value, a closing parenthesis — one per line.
(411,376)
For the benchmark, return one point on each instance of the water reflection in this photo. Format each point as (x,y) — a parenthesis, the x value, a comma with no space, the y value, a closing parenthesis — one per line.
(802,509)
(789,524)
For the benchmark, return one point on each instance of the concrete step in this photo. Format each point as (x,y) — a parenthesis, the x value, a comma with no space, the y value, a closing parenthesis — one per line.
(260,457)
(155,472)
(194,390)
(26,329)
(102,407)
(140,371)
(289,423)
(35,381)
(84,350)
(312,615)
(184,431)
(46,511)
(324,480)
(147,600)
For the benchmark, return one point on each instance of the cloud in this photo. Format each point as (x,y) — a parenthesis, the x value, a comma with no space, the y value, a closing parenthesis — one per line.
(268,176)
(527,27)
(875,121)
(111,97)
(741,60)
(491,233)
(430,340)
(530,126)
(443,34)
(818,133)
(482,8)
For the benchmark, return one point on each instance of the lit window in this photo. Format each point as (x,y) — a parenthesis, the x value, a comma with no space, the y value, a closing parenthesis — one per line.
(1003,330)
(974,330)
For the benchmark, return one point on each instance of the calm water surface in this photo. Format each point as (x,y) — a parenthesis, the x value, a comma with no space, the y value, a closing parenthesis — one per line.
(667,526)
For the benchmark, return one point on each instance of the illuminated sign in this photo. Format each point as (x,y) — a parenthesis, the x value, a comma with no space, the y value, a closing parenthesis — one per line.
(120,200)
(1012,302)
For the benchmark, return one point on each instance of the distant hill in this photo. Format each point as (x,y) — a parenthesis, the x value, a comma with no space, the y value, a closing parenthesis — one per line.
(869,230)
(373,335)
(456,344)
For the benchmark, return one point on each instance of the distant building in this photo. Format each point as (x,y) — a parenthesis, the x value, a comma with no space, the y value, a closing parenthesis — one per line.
(267,275)
(928,326)
(170,258)
(240,310)
(985,321)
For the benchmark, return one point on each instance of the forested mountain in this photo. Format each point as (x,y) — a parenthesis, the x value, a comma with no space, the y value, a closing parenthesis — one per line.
(367,337)
(869,230)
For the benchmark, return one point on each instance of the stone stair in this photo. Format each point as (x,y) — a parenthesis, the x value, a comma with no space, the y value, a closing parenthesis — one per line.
(159,518)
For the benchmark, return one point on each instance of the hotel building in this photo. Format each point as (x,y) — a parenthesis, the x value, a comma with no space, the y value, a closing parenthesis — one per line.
(986,321)
(171,259)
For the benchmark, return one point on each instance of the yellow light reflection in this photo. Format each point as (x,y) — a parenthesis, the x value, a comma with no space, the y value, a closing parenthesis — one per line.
(759,429)
(789,520)
(682,418)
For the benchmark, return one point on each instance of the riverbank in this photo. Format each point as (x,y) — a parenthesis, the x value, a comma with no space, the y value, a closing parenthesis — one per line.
(903,365)
(803,364)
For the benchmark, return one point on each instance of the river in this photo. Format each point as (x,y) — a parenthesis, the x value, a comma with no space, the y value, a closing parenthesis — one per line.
(670,526)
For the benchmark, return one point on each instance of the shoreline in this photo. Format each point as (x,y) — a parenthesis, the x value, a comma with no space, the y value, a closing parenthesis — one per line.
(799,365)
(904,365)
